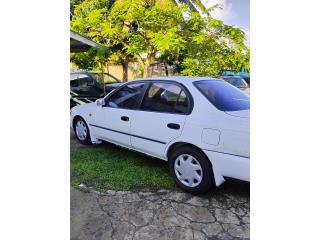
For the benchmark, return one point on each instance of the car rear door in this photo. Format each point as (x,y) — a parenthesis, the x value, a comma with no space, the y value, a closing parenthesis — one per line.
(160,118)
(111,122)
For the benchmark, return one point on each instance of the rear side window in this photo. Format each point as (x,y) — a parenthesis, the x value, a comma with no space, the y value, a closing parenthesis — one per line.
(165,97)
(223,96)
(182,103)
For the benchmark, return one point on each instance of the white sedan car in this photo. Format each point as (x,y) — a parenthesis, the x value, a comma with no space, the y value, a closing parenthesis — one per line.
(200,125)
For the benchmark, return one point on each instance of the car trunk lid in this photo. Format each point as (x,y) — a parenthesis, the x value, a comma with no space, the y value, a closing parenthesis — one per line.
(241,114)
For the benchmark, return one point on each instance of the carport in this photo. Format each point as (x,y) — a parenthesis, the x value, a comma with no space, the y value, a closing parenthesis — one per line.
(79,43)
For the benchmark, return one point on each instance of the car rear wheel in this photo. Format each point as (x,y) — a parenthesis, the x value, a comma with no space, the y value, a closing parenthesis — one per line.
(81,131)
(191,170)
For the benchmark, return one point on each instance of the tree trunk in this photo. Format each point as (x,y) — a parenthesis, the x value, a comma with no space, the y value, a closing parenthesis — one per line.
(166,69)
(146,66)
(103,83)
(125,68)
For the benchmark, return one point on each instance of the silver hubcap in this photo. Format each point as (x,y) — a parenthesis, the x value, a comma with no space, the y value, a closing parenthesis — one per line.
(81,130)
(188,170)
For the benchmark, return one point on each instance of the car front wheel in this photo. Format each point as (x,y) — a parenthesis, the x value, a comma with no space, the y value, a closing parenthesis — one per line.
(191,170)
(81,131)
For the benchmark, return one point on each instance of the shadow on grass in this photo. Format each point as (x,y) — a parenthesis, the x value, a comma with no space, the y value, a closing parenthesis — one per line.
(144,160)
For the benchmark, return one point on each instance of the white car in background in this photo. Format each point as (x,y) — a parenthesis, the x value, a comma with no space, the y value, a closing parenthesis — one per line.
(238,82)
(200,125)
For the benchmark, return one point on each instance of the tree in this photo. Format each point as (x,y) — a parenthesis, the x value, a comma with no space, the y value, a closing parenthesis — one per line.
(145,28)
(88,19)
(92,18)
(204,45)
(137,30)
(211,47)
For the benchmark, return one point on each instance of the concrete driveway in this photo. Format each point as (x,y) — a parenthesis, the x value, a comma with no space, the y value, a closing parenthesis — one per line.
(223,213)
(163,214)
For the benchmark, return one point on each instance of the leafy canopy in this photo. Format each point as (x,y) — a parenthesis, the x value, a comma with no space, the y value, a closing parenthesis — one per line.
(140,30)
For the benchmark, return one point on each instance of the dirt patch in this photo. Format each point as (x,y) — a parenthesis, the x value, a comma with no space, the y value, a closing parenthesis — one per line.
(74,143)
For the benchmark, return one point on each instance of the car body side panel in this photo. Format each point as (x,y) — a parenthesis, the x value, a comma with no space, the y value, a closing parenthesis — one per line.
(227,165)
(107,124)
(149,131)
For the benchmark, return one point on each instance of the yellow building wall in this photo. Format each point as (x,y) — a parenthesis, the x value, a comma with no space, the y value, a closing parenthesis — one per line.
(154,71)
(116,70)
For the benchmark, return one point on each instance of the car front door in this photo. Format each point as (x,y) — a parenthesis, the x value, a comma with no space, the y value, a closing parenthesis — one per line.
(160,118)
(111,122)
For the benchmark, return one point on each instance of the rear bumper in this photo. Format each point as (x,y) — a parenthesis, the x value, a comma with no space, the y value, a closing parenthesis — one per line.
(227,165)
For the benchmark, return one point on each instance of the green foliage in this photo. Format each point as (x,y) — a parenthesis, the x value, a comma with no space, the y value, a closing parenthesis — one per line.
(83,60)
(88,19)
(211,47)
(135,30)
(110,167)
(93,59)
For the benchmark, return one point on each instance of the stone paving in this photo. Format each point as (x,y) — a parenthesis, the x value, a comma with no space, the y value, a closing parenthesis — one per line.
(163,214)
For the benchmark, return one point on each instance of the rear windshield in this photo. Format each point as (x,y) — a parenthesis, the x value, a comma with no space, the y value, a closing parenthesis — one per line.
(223,95)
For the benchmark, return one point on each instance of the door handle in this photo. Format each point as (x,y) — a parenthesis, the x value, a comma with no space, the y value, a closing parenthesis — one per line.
(173,126)
(125,118)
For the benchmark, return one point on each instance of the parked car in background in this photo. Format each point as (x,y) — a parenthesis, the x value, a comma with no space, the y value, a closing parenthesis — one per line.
(200,125)
(88,86)
(238,82)
(242,73)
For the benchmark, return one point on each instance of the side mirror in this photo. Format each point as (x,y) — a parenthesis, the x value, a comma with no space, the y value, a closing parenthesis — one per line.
(100,102)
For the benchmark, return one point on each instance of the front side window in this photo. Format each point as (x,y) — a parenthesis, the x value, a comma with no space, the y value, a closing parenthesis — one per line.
(223,96)
(127,97)
(165,97)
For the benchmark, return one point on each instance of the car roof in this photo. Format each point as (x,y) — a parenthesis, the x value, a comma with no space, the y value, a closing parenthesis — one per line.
(88,72)
(180,79)
(114,84)
(77,72)
(230,77)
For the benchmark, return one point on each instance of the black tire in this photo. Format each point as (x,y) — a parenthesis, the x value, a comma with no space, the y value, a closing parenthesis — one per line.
(87,139)
(207,181)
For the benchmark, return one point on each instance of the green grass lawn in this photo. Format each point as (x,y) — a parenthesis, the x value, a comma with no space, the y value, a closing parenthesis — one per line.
(106,167)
